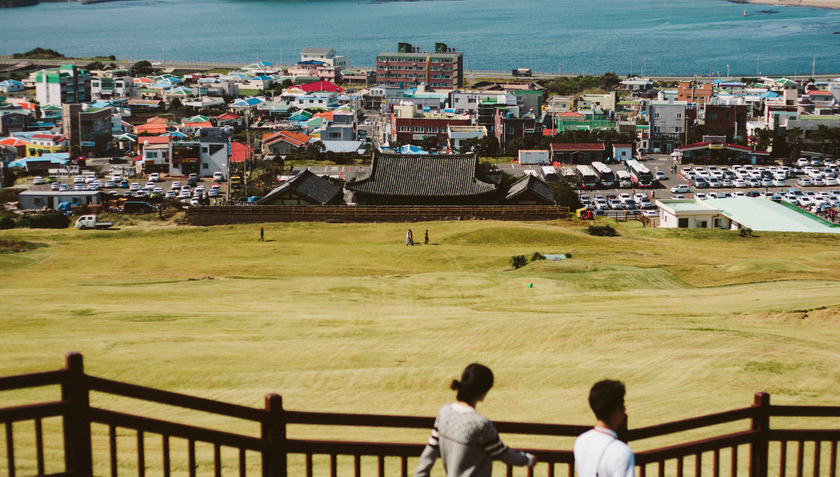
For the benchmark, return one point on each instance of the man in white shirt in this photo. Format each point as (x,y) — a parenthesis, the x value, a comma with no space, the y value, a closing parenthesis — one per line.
(598,452)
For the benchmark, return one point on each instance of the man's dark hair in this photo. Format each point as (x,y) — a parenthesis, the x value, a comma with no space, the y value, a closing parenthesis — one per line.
(605,397)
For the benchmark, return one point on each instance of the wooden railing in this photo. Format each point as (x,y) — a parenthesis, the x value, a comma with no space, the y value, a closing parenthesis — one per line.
(370,212)
(743,452)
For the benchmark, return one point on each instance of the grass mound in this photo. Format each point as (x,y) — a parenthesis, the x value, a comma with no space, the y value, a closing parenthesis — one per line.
(17,246)
(761,265)
(512,235)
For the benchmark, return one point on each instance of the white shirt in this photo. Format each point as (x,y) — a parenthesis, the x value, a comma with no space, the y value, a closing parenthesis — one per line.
(598,452)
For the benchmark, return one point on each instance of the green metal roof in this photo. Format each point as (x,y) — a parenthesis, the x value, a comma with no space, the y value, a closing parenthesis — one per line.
(829,117)
(770,216)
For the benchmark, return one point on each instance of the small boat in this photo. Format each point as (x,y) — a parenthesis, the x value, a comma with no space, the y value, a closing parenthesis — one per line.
(745,12)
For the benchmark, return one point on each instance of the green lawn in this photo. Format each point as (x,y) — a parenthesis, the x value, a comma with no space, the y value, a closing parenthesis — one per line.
(346,318)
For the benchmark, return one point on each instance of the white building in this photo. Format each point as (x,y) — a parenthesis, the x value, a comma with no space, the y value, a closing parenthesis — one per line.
(738,213)
(66,84)
(324,55)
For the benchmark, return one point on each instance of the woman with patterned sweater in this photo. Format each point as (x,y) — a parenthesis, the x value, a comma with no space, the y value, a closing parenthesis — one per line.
(466,441)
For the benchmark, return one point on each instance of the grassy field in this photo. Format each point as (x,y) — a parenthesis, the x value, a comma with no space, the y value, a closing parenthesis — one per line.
(346,318)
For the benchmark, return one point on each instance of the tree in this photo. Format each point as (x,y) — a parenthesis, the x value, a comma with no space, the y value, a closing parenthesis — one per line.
(794,140)
(176,104)
(142,67)
(96,65)
(430,143)
(565,195)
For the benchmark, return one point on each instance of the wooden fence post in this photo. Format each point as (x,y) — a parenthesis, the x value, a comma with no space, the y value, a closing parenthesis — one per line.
(761,424)
(274,435)
(78,460)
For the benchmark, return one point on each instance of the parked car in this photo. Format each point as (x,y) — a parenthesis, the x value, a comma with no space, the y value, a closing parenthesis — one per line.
(64,187)
(218,177)
(37,180)
(123,184)
(154,177)
(680,188)
(660,176)
(55,185)
(138,207)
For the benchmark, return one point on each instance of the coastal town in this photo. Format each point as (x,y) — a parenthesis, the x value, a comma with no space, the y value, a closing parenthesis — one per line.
(415,130)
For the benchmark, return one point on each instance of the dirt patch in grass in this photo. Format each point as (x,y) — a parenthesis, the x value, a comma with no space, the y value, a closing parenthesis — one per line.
(814,316)
(15,246)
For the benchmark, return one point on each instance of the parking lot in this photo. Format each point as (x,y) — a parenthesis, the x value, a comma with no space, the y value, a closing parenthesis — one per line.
(203,191)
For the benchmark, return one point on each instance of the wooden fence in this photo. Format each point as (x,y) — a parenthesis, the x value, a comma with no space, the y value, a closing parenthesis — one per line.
(743,452)
(216,215)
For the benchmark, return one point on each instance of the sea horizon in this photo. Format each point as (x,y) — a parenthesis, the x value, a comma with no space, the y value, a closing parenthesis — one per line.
(644,37)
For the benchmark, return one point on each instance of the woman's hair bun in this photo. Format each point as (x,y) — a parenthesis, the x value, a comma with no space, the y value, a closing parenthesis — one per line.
(455,385)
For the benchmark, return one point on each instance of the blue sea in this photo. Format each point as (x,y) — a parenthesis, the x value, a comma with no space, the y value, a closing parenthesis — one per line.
(654,37)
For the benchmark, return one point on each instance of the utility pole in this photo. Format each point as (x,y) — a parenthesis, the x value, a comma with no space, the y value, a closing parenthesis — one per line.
(814,68)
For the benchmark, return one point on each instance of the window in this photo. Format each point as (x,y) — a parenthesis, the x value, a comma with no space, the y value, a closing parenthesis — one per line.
(700,224)
(418,129)
(682,223)
(403,129)
(510,130)
(471,100)
(677,129)
(431,129)
(656,129)
(679,115)
(719,223)
(205,166)
(656,115)
(151,155)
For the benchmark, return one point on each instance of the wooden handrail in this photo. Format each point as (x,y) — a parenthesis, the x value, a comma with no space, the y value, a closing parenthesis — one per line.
(174,399)
(20,381)
(274,447)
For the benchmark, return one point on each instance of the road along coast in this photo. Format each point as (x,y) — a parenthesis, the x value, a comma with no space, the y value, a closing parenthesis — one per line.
(832,4)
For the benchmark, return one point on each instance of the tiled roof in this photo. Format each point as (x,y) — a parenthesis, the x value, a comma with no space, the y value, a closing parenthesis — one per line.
(321,86)
(422,176)
(531,183)
(307,185)
(154,139)
(292,137)
(239,151)
(583,146)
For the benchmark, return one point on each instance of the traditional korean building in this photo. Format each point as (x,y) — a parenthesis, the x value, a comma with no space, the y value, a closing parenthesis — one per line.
(423,180)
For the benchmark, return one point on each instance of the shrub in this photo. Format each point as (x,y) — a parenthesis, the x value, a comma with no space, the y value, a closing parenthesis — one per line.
(568,255)
(537,256)
(49,221)
(6,222)
(518,261)
(602,231)
(745,232)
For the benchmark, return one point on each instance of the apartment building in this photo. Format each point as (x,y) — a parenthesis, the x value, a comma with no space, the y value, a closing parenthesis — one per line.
(409,66)
(65,84)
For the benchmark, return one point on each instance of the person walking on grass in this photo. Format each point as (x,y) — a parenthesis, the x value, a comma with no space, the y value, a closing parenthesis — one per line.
(466,441)
(409,238)
(426,239)
(262,235)
(599,452)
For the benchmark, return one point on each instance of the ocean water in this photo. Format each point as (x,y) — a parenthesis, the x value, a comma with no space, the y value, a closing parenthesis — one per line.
(654,37)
